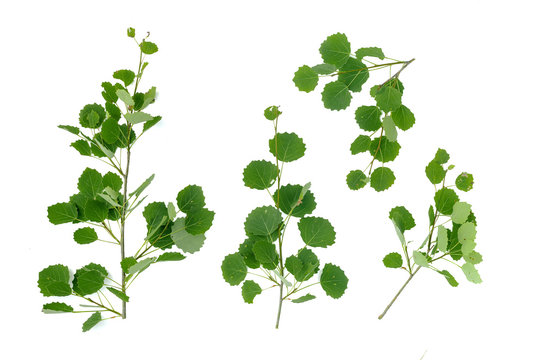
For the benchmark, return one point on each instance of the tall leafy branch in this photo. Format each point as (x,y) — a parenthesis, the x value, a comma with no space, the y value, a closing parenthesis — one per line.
(349,72)
(262,254)
(104,203)
(451,235)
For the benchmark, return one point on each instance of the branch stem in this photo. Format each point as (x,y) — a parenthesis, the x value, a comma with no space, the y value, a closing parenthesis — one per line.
(398,293)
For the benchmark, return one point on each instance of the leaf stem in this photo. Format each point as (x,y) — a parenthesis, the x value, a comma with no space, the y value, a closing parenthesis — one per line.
(398,293)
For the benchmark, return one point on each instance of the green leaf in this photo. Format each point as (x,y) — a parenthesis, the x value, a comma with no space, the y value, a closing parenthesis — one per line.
(289,200)
(473,257)
(260,174)
(400,234)
(316,231)
(198,221)
(170,256)
(389,128)
(464,181)
(265,253)
(110,130)
(282,278)
(393,260)
(461,211)
(127,262)
(335,50)
(287,147)
(449,277)
(171,211)
(303,298)
(82,146)
(91,116)
(85,235)
(148,47)
(96,210)
(109,94)
(356,179)
(466,232)
(444,200)
(142,187)
(191,198)
(333,281)
(138,117)
(112,181)
(384,149)
(336,96)
(382,178)
(310,264)
(402,218)
(442,239)
(62,213)
(121,295)
(360,145)
(92,321)
(57,307)
(149,124)
(441,156)
(305,79)
(420,259)
(234,269)
(388,98)
(141,265)
(435,172)
(187,242)
(89,279)
(324,69)
(72,129)
(149,98)
(263,220)
(246,251)
(403,118)
(55,281)
(125,97)
(430,213)
(250,289)
(131,32)
(354,74)
(368,117)
(90,183)
(471,273)
(370,51)
(126,76)
(272,112)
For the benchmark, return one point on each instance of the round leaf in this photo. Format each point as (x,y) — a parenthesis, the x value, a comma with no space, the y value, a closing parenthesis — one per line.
(316,231)
(368,117)
(335,50)
(444,200)
(402,218)
(289,199)
(388,98)
(360,145)
(354,74)
(403,118)
(336,95)
(287,147)
(55,281)
(333,281)
(85,235)
(393,260)
(250,289)
(233,268)
(464,182)
(260,174)
(190,198)
(356,180)
(384,149)
(305,79)
(382,179)
(263,220)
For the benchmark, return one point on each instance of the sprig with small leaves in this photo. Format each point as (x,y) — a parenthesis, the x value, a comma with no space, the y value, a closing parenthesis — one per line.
(104,203)
(350,71)
(265,228)
(452,230)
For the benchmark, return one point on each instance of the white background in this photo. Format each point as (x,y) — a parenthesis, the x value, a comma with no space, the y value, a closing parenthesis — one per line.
(475,88)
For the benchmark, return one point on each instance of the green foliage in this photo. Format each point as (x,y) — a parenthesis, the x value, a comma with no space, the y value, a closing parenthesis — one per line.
(456,242)
(266,226)
(349,74)
(305,78)
(260,175)
(92,321)
(287,147)
(464,182)
(382,178)
(103,202)
(250,289)
(356,180)
(393,260)
(333,281)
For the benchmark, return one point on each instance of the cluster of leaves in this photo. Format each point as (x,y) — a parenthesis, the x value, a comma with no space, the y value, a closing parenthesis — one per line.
(102,200)
(452,228)
(265,230)
(381,121)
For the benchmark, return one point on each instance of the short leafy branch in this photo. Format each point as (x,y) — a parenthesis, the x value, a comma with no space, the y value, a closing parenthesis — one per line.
(387,116)
(457,242)
(265,228)
(108,133)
